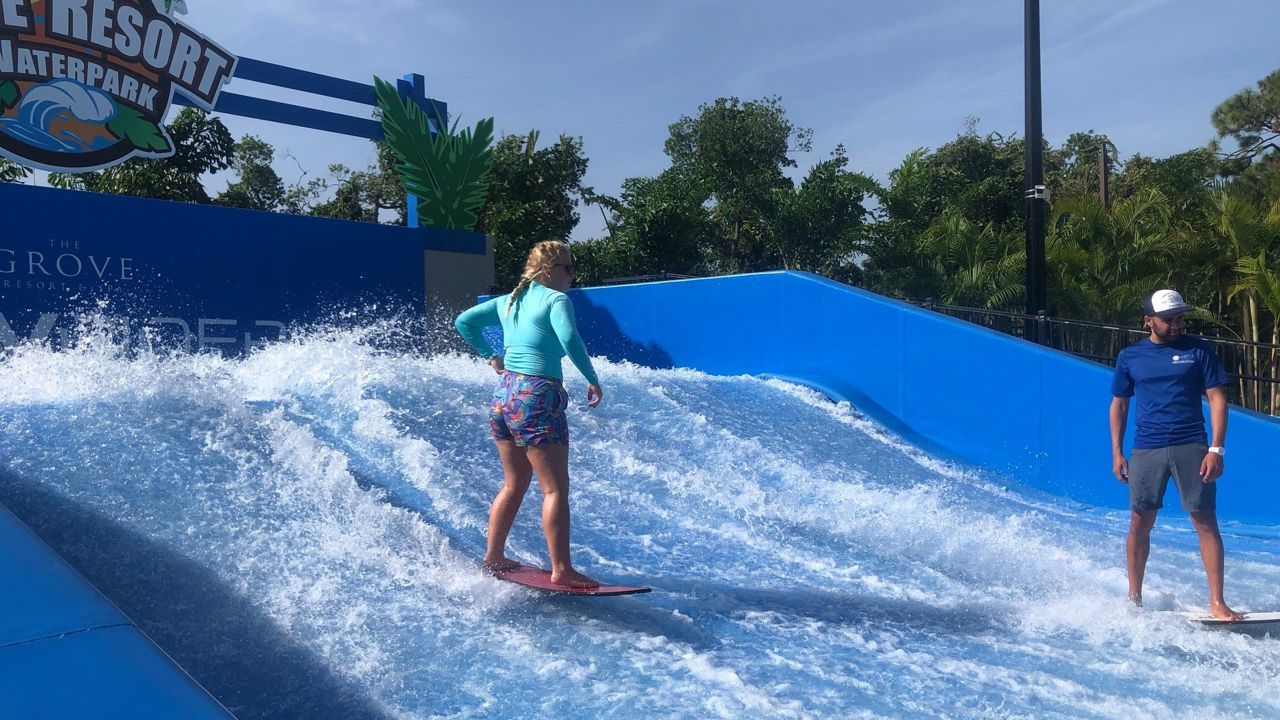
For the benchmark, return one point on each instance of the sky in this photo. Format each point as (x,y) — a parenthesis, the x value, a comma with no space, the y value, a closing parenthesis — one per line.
(881,78)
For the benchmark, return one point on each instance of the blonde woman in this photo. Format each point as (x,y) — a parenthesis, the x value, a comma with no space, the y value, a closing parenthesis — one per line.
(527,415)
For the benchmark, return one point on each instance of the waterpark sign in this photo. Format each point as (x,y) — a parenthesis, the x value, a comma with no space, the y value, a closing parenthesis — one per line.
(85,84)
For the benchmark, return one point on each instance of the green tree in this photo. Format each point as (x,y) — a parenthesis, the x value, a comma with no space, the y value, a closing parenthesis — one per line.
(1257,279)
(1072,168)
(819,224)
(975,177)
(350,198)
(1238,256)
(601,259)
(533,195)
(202,144)
(366,195)
(659,224)
(258,186)
(739,149)
(12,171)
(974,266)
(1251,118)
(1185,179)
(1102,261)
(979,176)
(908,208)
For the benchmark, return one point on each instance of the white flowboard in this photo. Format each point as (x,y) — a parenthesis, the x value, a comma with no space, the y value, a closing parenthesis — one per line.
(1259,623)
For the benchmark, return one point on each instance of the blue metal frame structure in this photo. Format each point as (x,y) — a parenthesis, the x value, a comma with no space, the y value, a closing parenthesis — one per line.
(411,87)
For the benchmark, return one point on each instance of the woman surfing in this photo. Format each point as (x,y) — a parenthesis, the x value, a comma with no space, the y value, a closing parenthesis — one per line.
(527,414)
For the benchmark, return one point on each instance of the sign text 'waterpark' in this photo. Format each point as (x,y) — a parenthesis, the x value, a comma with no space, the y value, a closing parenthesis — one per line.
(85,84)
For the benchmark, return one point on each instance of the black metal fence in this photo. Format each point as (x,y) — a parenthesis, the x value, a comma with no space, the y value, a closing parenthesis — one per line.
(645,278)
(1253,367)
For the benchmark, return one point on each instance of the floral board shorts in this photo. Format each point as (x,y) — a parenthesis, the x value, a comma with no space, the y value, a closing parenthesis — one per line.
(529,410)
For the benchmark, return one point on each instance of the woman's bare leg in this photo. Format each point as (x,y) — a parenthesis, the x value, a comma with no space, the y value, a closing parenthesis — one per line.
(551,464)
(516,474)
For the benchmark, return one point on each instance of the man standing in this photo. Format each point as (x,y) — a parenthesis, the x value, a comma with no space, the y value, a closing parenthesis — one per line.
(1169,373)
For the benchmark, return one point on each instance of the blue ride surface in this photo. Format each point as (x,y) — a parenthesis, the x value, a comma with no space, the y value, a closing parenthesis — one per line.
(298,528)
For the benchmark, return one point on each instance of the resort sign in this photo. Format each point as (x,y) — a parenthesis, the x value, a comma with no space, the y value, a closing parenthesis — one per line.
(85,84)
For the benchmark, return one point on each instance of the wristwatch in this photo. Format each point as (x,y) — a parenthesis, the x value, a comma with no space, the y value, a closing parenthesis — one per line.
(1220,451)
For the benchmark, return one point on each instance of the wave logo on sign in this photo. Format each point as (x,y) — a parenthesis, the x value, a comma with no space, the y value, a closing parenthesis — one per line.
(85,84)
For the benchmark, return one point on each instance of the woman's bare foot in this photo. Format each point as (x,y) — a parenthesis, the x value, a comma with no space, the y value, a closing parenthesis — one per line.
(574,579)
(1220,611)
(499,565)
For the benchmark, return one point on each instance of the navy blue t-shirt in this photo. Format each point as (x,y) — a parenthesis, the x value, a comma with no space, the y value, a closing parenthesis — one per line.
(1168,380)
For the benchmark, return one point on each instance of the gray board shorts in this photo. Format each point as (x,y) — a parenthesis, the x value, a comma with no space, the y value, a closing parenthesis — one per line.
(1149,472)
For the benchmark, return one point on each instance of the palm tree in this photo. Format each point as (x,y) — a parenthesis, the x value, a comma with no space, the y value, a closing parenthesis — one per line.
(1242,233)
(1261,285)
(977,267)
(1250,234)
(1104,260)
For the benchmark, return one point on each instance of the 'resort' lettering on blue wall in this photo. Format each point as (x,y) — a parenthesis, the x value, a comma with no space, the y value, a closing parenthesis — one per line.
(200,334)
(194,276)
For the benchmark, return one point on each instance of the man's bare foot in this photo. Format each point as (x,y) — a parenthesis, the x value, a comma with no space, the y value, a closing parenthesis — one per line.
(499,565)
(574,579)
(1220,611)
(1136,600)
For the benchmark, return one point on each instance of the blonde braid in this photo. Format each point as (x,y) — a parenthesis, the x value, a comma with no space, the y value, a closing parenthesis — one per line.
(520,288)
(541,256)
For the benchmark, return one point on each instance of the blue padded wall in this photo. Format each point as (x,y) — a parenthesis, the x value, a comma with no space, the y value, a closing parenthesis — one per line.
(66,652)
(198,275)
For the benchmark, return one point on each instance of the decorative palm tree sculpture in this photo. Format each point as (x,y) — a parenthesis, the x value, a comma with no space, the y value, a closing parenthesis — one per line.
(447,170)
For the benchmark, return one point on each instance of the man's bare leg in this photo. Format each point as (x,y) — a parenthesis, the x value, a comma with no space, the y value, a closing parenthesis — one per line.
(516,474)
(1137,548)
(551,464)
(1211,552)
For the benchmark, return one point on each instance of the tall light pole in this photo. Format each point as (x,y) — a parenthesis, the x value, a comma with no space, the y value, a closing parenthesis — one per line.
(1037,195)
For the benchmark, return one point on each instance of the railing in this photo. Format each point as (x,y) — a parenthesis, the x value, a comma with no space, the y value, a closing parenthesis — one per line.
(645,278)
(1252,367)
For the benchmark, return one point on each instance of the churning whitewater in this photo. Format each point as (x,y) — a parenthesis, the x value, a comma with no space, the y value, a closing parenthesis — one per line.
(299,529)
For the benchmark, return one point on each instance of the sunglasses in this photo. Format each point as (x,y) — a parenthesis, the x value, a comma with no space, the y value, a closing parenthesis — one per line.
(568,267)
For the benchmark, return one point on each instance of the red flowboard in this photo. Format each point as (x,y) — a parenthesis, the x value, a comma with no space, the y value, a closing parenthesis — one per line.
(539,579)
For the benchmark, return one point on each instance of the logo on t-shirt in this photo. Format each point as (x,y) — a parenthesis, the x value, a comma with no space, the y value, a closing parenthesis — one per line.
(1183,359)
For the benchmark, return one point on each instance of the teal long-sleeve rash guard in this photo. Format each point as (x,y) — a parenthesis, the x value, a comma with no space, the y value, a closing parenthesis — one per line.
(538,333)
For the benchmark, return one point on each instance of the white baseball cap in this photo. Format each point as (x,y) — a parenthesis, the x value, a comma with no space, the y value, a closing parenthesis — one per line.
(1164,303)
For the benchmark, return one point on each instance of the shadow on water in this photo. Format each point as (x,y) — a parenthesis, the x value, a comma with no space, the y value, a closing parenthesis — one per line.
(700,607)
(604,336)
(218,636)
(834,608)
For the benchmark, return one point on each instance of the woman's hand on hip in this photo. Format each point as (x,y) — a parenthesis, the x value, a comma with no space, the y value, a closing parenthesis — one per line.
(496,363)
(594,395)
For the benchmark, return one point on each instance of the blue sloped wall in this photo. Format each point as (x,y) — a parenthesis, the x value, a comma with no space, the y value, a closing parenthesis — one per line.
(1036,415)
(67,652)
